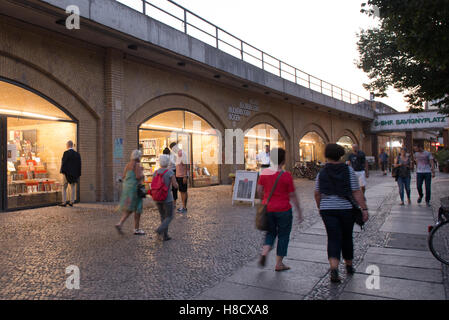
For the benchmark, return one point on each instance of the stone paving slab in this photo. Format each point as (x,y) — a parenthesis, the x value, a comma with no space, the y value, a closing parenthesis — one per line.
(297,244)
(404,227)
(289,282)
(407,241)
(305,268)
(358,296)
(401,272)
(311,238)
(399,252)
(304,254)
(320,226)
(397,288)
(402,261)
(235,291)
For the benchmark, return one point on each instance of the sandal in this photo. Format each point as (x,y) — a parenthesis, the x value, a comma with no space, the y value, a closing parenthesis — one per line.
(283,268)
(118,228)
(262,261)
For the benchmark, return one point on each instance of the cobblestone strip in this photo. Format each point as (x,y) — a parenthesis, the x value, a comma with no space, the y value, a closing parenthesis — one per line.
(370,236)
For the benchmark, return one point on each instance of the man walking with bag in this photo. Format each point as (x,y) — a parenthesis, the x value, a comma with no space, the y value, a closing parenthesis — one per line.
(71,171)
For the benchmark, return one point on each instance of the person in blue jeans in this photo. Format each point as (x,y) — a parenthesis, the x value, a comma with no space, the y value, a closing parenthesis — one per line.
(279,209)
(405,165)
(425,171)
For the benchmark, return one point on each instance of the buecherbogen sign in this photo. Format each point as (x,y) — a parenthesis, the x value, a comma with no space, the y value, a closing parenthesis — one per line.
(410,121)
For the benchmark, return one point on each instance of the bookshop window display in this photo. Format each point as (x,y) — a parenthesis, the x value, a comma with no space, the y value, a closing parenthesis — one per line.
(255,141)
(194,136)
(311,148)
(34,138)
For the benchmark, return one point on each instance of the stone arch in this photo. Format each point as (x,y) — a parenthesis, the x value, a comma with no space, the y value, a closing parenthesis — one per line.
(349,133)
(265,117)
(32,77)
(315,128)
(169,102)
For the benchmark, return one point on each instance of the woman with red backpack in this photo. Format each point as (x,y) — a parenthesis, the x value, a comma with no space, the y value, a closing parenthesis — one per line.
(163,181)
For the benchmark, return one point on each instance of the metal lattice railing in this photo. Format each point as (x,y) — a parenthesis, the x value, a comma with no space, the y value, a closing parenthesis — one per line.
(182,19)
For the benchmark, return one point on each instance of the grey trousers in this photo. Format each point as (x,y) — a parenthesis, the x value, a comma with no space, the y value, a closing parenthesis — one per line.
(65,184)
(166,212)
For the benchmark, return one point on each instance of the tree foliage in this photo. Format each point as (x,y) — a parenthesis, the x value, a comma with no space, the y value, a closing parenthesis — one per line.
(408,51)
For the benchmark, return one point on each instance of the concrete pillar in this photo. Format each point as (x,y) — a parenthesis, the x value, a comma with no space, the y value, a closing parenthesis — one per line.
(446,138)
(114,124)
(409,141)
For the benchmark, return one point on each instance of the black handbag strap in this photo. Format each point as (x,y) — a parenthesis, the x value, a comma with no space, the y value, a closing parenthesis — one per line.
(274,186)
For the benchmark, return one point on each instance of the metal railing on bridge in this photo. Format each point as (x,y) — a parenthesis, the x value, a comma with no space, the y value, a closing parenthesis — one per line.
(182,19)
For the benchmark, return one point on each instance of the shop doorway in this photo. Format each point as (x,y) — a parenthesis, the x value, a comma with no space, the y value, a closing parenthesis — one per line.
(194,135)
(346,142)
(311,148)
(34,132)
(255,142)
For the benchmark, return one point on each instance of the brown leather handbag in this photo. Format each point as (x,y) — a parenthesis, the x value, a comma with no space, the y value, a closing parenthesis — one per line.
(262,214)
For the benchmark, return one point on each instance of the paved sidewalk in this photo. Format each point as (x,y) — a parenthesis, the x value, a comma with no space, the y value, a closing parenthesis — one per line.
(407,268)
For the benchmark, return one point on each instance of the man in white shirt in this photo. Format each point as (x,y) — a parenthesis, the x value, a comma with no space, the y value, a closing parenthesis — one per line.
(264,158)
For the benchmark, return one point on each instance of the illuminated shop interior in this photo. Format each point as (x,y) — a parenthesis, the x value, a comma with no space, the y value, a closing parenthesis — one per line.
(195,137)
(311,148)
(36,136)
(255,141)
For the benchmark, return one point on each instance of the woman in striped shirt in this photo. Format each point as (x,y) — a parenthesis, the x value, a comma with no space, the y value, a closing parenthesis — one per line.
(335,185)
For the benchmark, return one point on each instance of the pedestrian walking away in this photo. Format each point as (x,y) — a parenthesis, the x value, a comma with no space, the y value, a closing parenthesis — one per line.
(404,166)
(71,171)
(357,160)
(383,160)
(130,201)
(279,208)
(182,176)
(165,206)
(172,166)
(336,191)
(425,171)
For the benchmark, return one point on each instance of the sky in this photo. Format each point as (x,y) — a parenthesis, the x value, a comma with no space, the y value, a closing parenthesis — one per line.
(316,36)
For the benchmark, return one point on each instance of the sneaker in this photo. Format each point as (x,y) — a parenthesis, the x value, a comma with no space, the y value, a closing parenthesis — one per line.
(167,238)
(334,276)
(179,210)
(350,270)
(70,204)
(63,204)
(428,204)
(419,200)
(139,232)
(184,210)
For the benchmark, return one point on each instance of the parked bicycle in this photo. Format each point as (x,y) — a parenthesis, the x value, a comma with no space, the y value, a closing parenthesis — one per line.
(438,240)
(307,170)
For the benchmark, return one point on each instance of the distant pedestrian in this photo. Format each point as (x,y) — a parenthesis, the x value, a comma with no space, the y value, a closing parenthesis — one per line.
(182,176)
(130,201)
(383,160)
(71,171)
(172,167)
(357,160)
(404,163)
(425,171)
(165,207)
(337,188)
(279,207)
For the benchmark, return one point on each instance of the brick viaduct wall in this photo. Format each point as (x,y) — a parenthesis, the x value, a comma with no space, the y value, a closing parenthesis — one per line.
(110,94)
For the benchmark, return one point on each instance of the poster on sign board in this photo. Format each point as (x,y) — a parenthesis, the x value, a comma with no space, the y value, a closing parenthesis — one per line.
(245,186)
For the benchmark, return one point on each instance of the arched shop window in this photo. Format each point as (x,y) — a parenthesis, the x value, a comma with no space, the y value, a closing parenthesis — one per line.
(195,137)
(255,141)
(311,148)
(36,134)
(346,142)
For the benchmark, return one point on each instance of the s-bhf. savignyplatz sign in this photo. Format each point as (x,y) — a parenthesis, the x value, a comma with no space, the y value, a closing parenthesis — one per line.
(410,121)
